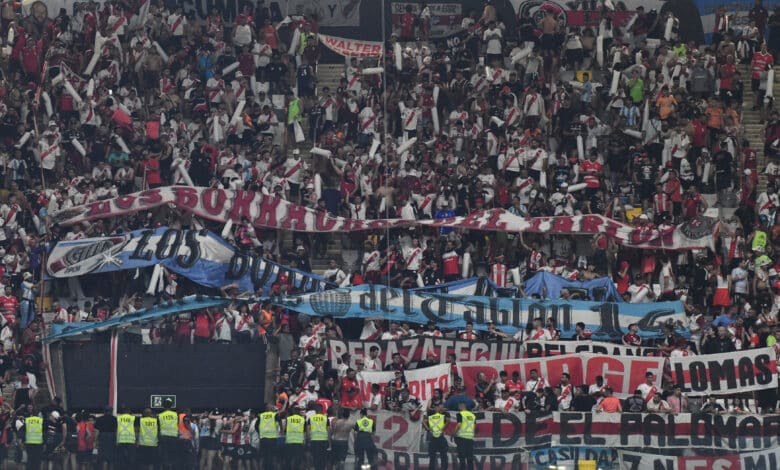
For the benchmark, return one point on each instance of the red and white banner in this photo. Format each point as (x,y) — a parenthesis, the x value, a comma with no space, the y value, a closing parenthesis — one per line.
(768,459)
(420,382)
(270,212)
(556,348)
(749,370)
(666,430)
(499,439)
(351,47)
(432,349)
(622,373)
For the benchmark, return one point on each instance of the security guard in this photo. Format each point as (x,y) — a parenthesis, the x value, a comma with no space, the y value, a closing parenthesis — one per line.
(33,440)
(294,436)
(318,438)
(364,439)
(268,430)
(148,440)
(125,439)
(169,435)
(437,444)
(464,438)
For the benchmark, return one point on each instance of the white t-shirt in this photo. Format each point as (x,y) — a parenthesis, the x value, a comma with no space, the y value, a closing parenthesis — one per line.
(494,44)
(639,294)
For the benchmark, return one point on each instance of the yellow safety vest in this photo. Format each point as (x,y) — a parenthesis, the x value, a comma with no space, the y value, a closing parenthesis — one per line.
(466,427)
(169,424)
(759,240)
(125,429)
(436,424)
(268,425)
(365,425)
(304,41)
(148,432)
(295,429)
(318,427)
(33,430)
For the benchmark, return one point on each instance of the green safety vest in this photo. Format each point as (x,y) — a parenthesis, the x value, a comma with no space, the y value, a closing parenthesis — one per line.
(759,240)
(125,431)
(318,427)
(436,424)
(304,41)
(295,429)
(365,425)
(33,430)
(148,432)
(466,427)
(268,425)
(169,424)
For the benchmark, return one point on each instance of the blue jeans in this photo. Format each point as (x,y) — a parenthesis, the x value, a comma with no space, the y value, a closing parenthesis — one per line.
(26,312)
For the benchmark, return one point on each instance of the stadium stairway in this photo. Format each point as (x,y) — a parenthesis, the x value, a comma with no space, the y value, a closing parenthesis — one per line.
(753,129)
(328,75)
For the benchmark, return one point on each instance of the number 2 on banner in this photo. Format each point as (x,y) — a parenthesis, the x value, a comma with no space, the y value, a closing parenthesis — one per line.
(389,425)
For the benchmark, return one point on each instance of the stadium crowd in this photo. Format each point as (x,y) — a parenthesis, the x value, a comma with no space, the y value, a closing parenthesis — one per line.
(516,118)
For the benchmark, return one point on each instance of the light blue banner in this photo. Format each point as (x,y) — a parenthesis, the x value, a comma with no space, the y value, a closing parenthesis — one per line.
(61,331)
(199,255)
(548,286)
(606,320)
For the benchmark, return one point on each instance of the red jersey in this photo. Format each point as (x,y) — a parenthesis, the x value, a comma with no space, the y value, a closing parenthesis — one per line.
(726,74)
(699,133)
(8,305)
(407,25)
(202,326)
(632,339)
(350,393)
(588,166)
(450,263)
(760,61)
(269,34)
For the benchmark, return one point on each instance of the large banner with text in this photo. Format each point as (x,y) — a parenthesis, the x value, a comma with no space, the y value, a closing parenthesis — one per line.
(666,430)
(199,255)
(421,383)
(621,373)
(762,460)
(438,349)
(271,212)
(606,320)
(749,370)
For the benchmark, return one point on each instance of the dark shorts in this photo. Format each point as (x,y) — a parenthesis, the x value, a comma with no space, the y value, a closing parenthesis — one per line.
(548,42)
(269,447)
(85,456)
(106,452)
(209,443)
(230,450)
(339,450)
(465,447)
(246,452)
(148,455)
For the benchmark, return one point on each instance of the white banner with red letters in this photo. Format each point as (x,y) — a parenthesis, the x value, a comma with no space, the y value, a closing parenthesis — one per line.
(499,439)
(270,212)
(556,348)
(621,373)
(741,371)
(437,349)
(421,383)
(351,47)
(666,430)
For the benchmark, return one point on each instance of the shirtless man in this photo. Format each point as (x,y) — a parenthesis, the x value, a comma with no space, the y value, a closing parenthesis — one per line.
(339,437)
(549,41)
